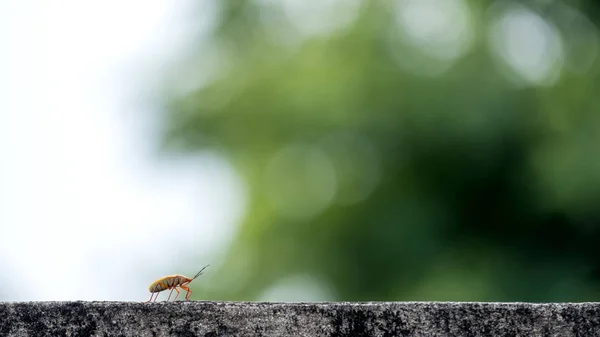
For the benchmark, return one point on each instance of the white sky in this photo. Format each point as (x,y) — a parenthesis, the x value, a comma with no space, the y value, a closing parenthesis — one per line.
(86,213)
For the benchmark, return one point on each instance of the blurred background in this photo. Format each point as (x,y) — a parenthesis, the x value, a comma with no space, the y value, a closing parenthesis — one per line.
(312,150)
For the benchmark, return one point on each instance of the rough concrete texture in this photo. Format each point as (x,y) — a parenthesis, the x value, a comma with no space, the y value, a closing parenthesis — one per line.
(298,319)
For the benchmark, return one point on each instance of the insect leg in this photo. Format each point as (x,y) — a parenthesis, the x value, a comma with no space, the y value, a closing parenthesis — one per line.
(174,288)
(152,294)
(177,290)
(189,291)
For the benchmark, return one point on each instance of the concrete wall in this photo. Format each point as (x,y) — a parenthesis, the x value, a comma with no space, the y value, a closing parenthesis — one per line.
(297,319)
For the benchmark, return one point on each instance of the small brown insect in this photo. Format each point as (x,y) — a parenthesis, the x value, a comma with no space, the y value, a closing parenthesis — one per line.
(172,282)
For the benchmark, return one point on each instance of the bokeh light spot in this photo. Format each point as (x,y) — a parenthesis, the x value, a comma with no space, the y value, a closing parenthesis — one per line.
(357,165)
(440,29)
(581,40)
(528,45)
(298,288)
(320,17)
(300,181)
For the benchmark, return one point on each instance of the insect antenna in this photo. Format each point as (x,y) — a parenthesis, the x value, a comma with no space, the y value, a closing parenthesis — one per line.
(200,272)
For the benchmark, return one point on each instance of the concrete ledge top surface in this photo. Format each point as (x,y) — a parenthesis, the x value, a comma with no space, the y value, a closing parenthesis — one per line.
(202,318)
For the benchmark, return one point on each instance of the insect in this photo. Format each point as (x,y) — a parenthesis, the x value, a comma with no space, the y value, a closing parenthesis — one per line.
(172,282)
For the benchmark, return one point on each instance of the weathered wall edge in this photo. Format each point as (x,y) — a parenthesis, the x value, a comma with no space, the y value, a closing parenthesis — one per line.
(202,318)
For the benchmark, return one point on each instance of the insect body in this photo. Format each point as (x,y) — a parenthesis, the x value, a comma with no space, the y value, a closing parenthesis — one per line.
(172,282)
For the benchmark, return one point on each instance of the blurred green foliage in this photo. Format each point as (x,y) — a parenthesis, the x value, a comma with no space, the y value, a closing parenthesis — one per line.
(392,168)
